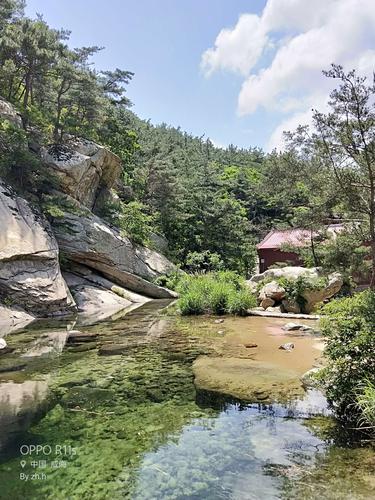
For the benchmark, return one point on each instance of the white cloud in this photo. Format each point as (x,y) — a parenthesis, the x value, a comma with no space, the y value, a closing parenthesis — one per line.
(234,49)
(306,37)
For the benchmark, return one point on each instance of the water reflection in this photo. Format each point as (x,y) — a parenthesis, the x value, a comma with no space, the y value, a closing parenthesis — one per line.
(251,452)
(19,404)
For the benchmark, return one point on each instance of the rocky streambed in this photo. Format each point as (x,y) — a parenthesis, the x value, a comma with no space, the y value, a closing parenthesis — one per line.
(156,406)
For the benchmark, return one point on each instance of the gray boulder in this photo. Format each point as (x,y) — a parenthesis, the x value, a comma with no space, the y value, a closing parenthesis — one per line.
(29,267)
(291,306)
(291,272)
(87,240)
(314,297)
(272,291)
(311,297)
(86,170)
(267,302)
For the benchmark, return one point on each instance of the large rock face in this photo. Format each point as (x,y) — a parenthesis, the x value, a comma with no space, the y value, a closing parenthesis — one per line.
(85,170)
(87,240)
(9,113)
(29,268)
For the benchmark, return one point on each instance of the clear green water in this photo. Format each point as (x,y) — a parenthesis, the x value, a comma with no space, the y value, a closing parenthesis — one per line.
(132,426)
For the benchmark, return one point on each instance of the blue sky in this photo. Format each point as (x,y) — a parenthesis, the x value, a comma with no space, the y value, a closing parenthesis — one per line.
(238,72)
(162,41)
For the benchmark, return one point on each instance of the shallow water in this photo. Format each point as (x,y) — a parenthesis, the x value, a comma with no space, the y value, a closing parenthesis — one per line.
(133,425)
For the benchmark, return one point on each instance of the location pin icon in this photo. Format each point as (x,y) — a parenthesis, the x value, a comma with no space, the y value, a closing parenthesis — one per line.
(23,463)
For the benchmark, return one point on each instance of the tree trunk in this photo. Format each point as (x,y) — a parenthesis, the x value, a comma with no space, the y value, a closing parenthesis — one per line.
(372,282)
(26,95)
(316,261)
(372,232)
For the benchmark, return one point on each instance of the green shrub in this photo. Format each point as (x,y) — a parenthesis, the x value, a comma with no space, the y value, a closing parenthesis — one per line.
(192,303)
(21,168)
(217,293)
(218,296)
(349,326)
(131,218)
(171,280)
(240,302)
(203,261)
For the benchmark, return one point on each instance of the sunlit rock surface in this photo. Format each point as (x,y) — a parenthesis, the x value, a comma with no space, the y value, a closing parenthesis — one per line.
(29,267)
(88,240)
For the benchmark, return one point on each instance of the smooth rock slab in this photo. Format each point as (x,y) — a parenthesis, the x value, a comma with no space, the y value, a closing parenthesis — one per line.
(246,379)
(87,240)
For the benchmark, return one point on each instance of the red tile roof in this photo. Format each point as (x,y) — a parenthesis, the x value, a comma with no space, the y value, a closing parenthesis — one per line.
(296,237)
(277,238)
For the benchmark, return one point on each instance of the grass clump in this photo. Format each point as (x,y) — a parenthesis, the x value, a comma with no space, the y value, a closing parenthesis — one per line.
(366,405)
(222,292)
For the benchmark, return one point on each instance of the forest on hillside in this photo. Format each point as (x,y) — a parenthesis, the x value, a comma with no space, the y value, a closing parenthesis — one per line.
(211,204)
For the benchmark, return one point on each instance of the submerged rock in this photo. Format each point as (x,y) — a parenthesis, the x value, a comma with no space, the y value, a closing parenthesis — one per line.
(75,336)
(246,379)
(309,379)
(19,405)
(11,365)
(89,397)
(292,326)
(287,347)
(114,349)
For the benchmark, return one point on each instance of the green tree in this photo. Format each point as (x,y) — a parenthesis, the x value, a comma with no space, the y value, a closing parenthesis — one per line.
(344,141)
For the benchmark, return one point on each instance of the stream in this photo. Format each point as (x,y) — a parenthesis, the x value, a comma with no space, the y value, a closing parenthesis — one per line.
(155,406)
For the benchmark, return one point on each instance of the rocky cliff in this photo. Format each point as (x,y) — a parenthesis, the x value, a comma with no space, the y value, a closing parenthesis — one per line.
(29,267)
(106,270)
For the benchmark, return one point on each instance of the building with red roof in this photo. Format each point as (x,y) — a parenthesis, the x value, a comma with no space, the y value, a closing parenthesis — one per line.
(271,249)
